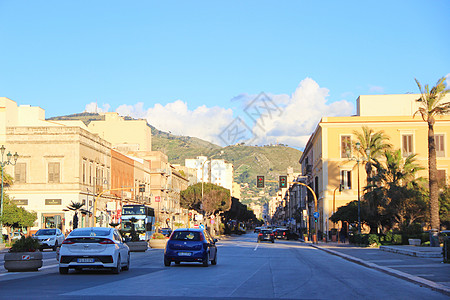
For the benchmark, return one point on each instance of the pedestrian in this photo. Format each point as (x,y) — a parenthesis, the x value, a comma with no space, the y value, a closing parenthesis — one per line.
(342,235)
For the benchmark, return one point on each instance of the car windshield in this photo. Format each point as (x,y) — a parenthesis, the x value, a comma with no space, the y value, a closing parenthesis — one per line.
(186,236)
(46,232)
(90,232)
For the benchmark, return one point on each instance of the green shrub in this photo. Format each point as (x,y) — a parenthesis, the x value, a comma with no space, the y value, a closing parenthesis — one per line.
(25,244)
(396,239)
(373,239)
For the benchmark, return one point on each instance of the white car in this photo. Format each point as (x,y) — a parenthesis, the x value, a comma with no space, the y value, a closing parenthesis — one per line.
(49,238)
(94,247)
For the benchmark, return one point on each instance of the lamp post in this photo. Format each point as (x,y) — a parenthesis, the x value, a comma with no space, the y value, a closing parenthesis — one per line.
(3,163)
(358,159)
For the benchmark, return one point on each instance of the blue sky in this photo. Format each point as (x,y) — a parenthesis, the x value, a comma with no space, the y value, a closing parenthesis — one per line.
(191,67)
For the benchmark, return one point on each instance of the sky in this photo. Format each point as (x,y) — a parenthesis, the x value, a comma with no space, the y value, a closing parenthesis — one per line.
(258,72)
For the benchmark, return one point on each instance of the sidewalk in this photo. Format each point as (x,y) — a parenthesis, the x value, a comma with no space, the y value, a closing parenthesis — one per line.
(420,265)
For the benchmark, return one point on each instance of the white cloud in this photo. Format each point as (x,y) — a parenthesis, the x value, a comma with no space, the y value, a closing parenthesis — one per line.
(93,108)
(447,80)
(376,89)
(300,116)
(291,121)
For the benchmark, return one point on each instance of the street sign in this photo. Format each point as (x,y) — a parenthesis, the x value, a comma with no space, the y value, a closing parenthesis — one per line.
(212,217)
(212,221)
(157,199)
(202,226)
(316,214)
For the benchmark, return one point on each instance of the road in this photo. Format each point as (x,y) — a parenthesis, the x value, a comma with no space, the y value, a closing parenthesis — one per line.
(245,270)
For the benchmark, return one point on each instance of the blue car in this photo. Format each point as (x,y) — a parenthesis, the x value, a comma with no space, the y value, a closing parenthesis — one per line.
(190,245)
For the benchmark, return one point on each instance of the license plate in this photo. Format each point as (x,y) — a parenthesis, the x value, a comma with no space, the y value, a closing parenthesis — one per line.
(184,253)
(85,260)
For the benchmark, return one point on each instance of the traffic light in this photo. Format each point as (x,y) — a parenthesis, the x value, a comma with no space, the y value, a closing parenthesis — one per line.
(282,181)
(142,188)
(259,181)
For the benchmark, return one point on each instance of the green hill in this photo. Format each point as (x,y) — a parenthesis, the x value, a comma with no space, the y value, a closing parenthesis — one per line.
(248,161)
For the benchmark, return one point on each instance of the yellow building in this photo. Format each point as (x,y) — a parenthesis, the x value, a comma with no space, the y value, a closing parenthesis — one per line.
(325,162)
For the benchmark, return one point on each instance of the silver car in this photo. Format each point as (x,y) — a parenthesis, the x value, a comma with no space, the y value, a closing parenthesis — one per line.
(94,247)
(49,238)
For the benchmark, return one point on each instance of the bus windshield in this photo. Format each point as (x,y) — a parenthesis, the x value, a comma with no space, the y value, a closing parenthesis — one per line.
(133,210)
(139,225)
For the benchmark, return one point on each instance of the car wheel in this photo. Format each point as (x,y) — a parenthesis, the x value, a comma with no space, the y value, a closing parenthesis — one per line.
(206,260)
(214,261)
(273,241)
(177,262)
(118,267)
(56,246)
(63,270)
(127,267)
(167,262)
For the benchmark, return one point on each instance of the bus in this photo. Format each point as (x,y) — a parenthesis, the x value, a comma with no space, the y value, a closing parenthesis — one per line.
(145,220)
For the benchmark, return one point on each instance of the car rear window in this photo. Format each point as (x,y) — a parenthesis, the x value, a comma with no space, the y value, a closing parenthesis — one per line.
(86,240)
(186,236)
(266,231)
(90,232)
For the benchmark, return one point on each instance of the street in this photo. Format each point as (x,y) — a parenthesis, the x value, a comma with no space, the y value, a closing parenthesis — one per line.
(245,269)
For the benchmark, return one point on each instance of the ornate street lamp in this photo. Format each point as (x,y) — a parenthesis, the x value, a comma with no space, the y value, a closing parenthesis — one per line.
(358,159)
(3,163)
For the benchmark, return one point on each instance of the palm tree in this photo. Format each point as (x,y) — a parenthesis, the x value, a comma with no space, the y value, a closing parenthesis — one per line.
(375,142)
(432,106)
(75,206)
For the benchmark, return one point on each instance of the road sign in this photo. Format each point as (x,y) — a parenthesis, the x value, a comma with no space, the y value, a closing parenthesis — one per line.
(316,214)
(212,221)
(202,226)
(212,217)
(157,199)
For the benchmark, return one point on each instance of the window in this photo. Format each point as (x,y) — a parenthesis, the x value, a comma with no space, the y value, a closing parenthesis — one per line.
(345,144)
(53,172)
(439,140)
(346,179)
(407,144)
(20,173)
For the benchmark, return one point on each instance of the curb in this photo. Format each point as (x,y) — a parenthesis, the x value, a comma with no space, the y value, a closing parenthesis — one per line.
(411,253)
(411,278)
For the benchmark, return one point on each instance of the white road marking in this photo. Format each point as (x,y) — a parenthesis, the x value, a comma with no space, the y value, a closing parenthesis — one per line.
(256,248)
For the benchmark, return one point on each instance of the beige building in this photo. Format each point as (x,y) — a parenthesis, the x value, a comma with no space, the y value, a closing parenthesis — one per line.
(122,133)
(325,162)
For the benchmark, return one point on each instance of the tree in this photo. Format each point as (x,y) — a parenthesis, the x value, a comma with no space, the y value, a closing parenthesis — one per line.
(376,142)
(392,191)
(444,207)
(75,206)
(347,213)
(431,105)
(215,198)
(16,217)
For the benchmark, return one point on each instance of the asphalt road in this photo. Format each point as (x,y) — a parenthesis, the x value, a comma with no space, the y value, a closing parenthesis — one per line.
(245,270)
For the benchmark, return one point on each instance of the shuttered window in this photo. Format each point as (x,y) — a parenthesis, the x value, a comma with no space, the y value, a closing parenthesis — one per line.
(20,173)
(440,147)
(53,172)
(345,144)
(346,179)
(407,144)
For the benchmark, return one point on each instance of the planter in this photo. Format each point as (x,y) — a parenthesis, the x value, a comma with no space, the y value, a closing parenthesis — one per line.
(158,243)
(23,261)
(414,242)
(140,246)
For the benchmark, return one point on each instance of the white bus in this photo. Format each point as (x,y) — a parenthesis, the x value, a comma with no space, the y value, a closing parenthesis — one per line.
(145,220)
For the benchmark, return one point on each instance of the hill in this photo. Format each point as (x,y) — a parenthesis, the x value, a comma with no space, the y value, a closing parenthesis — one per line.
(248,161)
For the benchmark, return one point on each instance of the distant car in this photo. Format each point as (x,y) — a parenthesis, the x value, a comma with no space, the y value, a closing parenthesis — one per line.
(257,230)
(165,231)
(49,238)
(190,245)
(16,236)
(266,235)
(94,247)
(281,233)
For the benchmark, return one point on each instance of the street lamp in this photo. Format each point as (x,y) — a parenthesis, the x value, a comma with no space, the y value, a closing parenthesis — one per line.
(358,159)
(3,163)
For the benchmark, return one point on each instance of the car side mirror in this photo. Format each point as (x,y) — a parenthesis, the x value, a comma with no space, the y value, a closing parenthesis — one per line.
(215,240)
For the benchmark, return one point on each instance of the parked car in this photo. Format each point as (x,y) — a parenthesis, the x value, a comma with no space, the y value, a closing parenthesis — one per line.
(94,247)
(49,238)
(281,233)
(165,231)
(190,245)
(16,235)
(257,230)
(266,235)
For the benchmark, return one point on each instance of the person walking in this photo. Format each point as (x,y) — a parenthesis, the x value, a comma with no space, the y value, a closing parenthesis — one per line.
(342,235)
